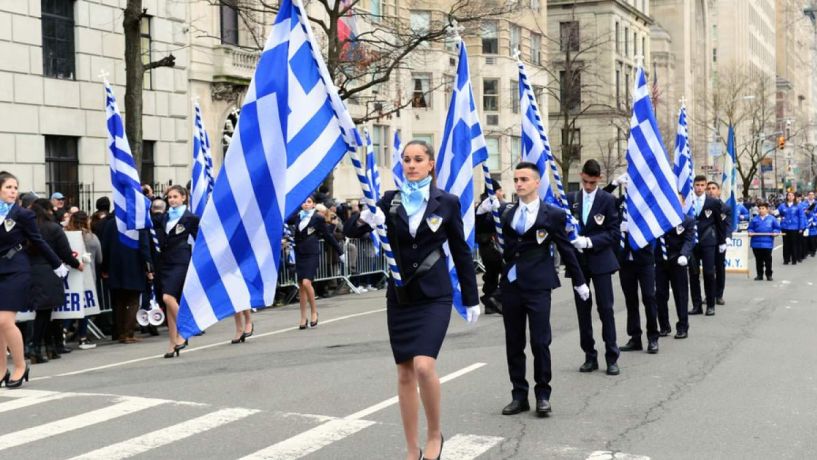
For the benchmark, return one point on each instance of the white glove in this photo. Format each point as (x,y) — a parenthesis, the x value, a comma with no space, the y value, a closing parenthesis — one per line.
(488,204)
(722,248)
(682,261)
(583,291)
(374,220)
(621,180)
(342,258)
(624,227)
(61,271)
(86,258)
(805,232)
(728,241)
(776,213)
(472,314)
(582,242)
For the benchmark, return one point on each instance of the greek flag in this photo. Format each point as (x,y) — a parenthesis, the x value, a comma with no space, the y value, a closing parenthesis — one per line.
(131,207)
(535,144)
(652,201)
(292,132)
(683,166)
(397,161)
(462,149)
(729,178)
(373,177)
(202,184)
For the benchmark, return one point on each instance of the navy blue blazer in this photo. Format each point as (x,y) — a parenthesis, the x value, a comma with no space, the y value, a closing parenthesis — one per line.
(174,245)
(726,217)
(18,229)
(602,227)
(126,267)
(643,256)
(711,224)
(530,252)
(307,240)
(680,242)
(442,213)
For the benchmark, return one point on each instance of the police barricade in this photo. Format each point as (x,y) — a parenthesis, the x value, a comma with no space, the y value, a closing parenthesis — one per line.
(363,261)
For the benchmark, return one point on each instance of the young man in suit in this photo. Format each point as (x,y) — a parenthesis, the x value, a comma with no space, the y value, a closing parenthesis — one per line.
(529,277)
(673,251)
(714,190)
(598,237)
(711,239)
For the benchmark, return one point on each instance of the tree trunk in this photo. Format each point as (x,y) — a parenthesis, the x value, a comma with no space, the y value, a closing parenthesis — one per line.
(134,79)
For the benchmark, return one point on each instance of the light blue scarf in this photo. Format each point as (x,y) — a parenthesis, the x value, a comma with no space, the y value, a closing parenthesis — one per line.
(175,214)
(412,194)
(304,214)
(5,208)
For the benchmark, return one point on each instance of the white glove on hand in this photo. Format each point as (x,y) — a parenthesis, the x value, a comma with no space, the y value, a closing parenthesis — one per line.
(776,213)
(805,232)
(582,242)
(86,258)
(623,227)
(682,261)
(61,271)
(374,220)
(342,258)
(583,291)
(621,180)
(488,204)
(722,248)
(728,241)
(472,314)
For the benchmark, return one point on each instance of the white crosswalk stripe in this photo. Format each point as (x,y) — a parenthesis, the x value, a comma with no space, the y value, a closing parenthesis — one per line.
(469,446)
(311,440)
(28,399)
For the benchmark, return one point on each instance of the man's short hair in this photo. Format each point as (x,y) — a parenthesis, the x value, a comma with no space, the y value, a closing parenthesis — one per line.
(763,204)
(713,183)
(528,165)
(700,178)
(592,168)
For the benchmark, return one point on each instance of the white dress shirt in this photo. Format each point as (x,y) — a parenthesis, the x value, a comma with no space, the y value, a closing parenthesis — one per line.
(305,221)
(417,218)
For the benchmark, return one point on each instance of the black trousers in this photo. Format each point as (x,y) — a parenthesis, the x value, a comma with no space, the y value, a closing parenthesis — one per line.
(763,258)
(702,257)
(125,303)
(632,276)
(492,261)
(811,242)
(603,285)
(533,307)
(666,275)
(789,244)
(720,274)
(41,334)
(801,247)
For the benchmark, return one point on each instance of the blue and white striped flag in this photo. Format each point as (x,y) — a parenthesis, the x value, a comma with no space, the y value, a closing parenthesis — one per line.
(131,207)
(652,200)
(730,176)
(397,161)
(292,132)
(535,143)
(463,148)
(202,184)
(683,165)
(373,177)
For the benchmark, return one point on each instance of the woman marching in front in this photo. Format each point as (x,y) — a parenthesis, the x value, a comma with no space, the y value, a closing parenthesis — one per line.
(176,230)
(310,227)
(18,227)
(419,219)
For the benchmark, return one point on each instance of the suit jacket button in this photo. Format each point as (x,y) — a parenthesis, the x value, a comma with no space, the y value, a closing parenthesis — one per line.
(414,246)
(414,265)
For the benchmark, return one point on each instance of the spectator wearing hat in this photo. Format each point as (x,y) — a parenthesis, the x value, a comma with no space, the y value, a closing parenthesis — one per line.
(58,202)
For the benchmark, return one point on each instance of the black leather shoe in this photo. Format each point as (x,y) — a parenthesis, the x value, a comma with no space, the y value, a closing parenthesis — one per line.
(515,407)
(769,278)
(652,347)
(589,366)
(758,278)
(542,407)
(632,345)
(681,335)
(710,312)
(720,301)
(696,311)
(665,332)
(612,369)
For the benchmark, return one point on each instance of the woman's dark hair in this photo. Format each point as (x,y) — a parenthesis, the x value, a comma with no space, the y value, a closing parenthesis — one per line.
(179,189)
(5,175)
(79,221)
(103,204)
(429,150)
(42,210)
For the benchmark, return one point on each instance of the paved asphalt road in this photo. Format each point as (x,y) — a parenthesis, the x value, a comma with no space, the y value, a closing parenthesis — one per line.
(744,385)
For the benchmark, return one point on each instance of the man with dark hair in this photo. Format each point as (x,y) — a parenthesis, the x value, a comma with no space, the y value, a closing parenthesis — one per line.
(489,250)
(714,190)
(711,239)
(598,237)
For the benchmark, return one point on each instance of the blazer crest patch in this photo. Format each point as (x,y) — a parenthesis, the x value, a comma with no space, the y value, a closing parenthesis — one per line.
(179,228)
(434,221)
(541,235)
(723,216)
(708,213)
(599,218)
(9,224)
(679,229)
(310,230)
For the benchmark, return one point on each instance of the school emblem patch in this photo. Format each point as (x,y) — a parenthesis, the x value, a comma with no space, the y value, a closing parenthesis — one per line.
(434,221)
(541,235)
(708,213)
(679,229)
(179,228)
(310,230)
(599,218)
(9,224)
(723,216)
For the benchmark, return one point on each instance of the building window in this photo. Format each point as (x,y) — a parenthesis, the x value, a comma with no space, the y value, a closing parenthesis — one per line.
(229,22)
(490,42)
(58,38)
(450,81)
(572,144)
(514,96)
(516,149)
(618,88)
(536,49)
(62,167)
(539,95)
(427,138)
(376,8)
(420,22)
(490,94)
(714,55)
(617,38)
(635,44)
(626,41)
(515,41)
(569,36)
(148,162)
(627,86)
(147,45)
(494,158)
(380,144)
(644,47)
(421,96)
(534,5)
(570,90)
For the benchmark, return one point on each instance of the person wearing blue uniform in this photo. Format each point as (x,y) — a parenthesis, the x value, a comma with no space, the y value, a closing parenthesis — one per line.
(309,229)
(810,232)
(419,219)
(596,212)
(711,239)
(18,228)
(673,251)
(529,277)
(762,230)
(176,231)
(802,249)
(714,190)
(791,217)
(743,214)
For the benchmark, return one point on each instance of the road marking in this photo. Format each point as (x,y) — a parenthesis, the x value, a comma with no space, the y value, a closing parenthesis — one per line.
(469,446)
(164,436)
(21,403)
(127,406)
(777,247)
(25,393)
(311,440)
(203,347)
(610,455)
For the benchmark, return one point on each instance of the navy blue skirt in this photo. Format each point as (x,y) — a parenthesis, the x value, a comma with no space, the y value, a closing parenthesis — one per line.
(15,292)
(172,280)
(306,266)
(418,329)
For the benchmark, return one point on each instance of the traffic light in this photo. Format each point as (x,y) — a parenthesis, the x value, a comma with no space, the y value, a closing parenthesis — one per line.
(781,142)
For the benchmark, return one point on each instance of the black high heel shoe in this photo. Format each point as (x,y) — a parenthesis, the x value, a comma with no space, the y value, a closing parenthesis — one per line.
(238,340)
(303,326)
(314,323)
(178,348)
(5,378)
(245,335)
(17,383)
(442,442)
(172,354)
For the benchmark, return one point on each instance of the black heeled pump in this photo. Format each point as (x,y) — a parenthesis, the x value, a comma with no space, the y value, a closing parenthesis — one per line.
(314,323)
(245,335)
(303,326)
(178,348)
(172,354)
(17,383)
(5,378)
(442,441)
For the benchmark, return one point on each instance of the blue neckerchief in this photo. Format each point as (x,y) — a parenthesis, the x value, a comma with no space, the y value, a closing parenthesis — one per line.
(5,208)
(412,194)
(304,214)
(175,214)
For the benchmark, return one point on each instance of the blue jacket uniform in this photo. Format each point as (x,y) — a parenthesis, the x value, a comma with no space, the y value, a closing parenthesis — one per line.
(810,214)
(766,224)
(602,227)
(743,213)
(18,227)
(791,217)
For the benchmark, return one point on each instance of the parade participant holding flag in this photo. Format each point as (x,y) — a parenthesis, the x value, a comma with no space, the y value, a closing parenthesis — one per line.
(714,190)
(762,230)
(711,239)
(672,255)
(419,219)
(176,231)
